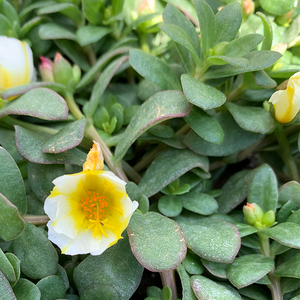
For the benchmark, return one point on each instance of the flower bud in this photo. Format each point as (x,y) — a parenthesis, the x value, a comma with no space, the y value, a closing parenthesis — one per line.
(248,8)
(16,63)
(46,69)
(253,214)
(62,70)
(268,218)
(76,74)
(220,49)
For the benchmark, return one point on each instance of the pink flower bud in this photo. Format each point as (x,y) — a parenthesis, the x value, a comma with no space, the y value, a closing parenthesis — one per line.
(46,69)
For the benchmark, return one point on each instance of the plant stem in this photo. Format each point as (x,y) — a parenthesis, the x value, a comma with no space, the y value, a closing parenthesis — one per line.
(92,134)
(275,287)
(286,152)
(12,121)
(36,220)
(168,279)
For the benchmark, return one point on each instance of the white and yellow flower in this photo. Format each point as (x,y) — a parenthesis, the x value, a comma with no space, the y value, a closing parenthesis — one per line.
(89,210)
(287,102)
(16,63)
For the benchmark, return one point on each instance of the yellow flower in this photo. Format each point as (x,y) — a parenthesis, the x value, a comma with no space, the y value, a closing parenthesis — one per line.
(16,63)
(89,210)
(287,102)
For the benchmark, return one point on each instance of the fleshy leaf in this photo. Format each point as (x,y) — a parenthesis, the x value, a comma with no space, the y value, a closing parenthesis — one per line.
(5,288)
(40,103)
(26,290)
(11,223)
(216,269)
(67,138)
(160,107)
(286,233)
(263,189)
(268,32)
(264,80)
(93,292)
(11,182)
(94,270)
(187,291)
(168,166)
(290,267)
(168,248)
(201,94)
(30,145)
(228,22)
(51,287)
(192,263)
(205,126)
(205,288)
(154,69)
(230,144)
(290,191)
(277,7)
(248,269)
(234,191)
(52,31)
(253,119)
(212,239)
(37,255)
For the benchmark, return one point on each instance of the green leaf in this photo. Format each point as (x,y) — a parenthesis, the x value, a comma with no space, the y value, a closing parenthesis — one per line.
(245,229)
(230,144)
(154,69)
(40,178)
(263,188)
(101,84)
(264,80)
(201,94)
(41,103)
(96,290)
(234,191)
(187,291)
(277,7)
(52,31)
(205,288)
(37,255)
(5,26)
(11,223)
(168,248)
(169,165)
(67,138)
(180,36)
(15,263)
(93,10)
(255,292)
(205,126)
(199,203)
(207,25)
(192,263)
(285,211)
(160,107)
(290,191)
(6,291)
(28,8)
(243,45)
(170,205)
(91,34)
(30,145)
(286,233)
(248,269)
(51,287)
(22,89)
(26,290)
(216,269)
(7,269)
(94,270)
(289,268)
(228,22)
(294,217)
(253,119)
(11,182)
(74,53)
(258,60)
(268,32)
(7,140)
(207,232)
(234,61)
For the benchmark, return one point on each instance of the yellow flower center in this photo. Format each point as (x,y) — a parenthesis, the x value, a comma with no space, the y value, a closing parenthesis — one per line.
(94,206)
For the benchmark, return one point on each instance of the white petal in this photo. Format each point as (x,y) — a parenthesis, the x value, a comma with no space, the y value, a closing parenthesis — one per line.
(51,207)
(16,62)
(105,243)
(84,242)
(68,183)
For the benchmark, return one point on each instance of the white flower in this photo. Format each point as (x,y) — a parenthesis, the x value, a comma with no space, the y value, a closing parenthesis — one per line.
(16,63)
(89,210)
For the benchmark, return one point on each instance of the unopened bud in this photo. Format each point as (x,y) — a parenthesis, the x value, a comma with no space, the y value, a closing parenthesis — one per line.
(220,49)
(76,74)
(46,69)
(248,8)
(268,218)
(253,214)
(62,70)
